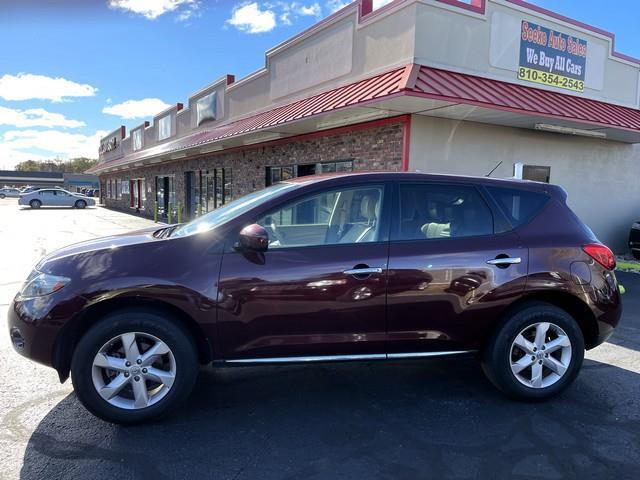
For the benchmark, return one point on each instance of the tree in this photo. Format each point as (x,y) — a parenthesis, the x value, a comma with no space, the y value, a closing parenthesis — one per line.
(73,165)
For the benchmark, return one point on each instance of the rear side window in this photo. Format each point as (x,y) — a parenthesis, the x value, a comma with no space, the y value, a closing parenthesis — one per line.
(519,206)
(438,211)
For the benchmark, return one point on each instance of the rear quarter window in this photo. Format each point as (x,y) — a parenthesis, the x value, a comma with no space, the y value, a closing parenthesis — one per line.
(519,206)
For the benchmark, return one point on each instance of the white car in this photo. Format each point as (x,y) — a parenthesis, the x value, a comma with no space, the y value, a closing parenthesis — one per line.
(55,197)
(8,192)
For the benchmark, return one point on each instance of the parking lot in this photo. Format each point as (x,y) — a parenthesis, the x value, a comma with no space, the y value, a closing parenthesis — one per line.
(430,419)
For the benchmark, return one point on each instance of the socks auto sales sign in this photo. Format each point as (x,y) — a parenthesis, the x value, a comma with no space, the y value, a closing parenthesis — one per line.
(552,58)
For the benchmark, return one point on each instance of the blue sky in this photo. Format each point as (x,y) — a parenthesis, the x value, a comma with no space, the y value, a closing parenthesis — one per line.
(71,70)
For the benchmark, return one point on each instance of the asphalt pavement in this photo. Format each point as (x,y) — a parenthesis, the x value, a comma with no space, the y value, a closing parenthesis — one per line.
(391,420)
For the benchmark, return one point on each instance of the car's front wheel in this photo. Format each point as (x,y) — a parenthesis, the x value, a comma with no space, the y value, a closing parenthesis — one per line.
(80,204)
(2,196)
(35,203)
(536,353)
(134,365)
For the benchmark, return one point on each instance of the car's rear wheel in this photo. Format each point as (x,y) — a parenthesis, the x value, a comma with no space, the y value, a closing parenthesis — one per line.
(35,203)
(536,353)
(80,204)
(134,365)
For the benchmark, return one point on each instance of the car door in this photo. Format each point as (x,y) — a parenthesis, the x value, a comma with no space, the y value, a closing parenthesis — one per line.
(319,290)
(47,197)
(64,199)
(450,273)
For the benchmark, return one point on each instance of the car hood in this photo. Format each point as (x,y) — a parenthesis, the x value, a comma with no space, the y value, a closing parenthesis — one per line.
(103,243)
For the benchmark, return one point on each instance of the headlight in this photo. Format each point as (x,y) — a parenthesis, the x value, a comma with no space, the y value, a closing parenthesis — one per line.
(39,284)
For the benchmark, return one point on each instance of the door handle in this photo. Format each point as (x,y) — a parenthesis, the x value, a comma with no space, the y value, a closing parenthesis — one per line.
(505,261)
(363,271)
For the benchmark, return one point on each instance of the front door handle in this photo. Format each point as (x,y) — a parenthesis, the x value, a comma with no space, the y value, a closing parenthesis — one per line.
(506,261)
(363,271)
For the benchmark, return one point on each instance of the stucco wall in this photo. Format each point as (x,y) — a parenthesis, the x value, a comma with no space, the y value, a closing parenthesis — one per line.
(489,45)
(598,175)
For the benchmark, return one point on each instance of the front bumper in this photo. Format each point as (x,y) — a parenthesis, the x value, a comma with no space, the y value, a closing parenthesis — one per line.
(35,325)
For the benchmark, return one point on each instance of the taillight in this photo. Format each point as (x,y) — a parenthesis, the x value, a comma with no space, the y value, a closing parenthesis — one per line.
(601,254)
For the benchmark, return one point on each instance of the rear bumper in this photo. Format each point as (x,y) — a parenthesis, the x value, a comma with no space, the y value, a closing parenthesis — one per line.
(606,303)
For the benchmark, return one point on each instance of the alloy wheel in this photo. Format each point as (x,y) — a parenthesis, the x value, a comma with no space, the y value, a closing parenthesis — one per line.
(134,370)
(540,355)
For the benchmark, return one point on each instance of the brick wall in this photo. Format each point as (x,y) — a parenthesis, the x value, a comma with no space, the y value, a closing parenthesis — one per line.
(376,148)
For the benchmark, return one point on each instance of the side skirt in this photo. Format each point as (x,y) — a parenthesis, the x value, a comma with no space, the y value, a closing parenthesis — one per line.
(341,358)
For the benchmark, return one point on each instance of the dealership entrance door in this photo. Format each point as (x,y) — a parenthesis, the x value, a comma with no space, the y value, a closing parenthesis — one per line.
(165,194)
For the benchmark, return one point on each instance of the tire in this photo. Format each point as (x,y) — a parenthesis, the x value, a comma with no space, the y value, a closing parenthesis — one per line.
(146,325)
(501,358)
(35,203)
(2,196)
(80,204)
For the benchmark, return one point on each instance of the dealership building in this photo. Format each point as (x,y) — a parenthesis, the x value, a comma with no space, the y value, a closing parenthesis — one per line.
(440,86)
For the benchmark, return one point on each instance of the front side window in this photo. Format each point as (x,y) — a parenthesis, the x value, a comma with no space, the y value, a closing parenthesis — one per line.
(339,216)
(232,210)
(437,211)
(164,127)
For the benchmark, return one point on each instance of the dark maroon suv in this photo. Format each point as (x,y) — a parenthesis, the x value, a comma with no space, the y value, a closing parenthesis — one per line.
(372,266)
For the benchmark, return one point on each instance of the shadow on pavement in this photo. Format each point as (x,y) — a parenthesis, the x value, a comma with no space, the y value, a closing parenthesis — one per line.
(432,419)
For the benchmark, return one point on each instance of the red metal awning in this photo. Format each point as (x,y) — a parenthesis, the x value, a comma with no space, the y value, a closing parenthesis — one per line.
(448,87)
(494,94)
(364,91)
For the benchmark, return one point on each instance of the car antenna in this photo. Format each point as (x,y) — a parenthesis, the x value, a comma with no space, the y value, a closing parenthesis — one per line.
(494,169)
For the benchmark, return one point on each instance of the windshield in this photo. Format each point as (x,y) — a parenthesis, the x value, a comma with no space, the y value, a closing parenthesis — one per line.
(231,210)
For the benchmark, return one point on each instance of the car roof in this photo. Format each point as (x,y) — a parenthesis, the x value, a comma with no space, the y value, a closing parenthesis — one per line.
(347,177)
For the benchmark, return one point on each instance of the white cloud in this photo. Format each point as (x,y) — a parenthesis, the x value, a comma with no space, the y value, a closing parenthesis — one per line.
(147,107)
(152,9)
(36,117)
(313,10)
(335,5)
(20,145)
(26,86)
(250,18)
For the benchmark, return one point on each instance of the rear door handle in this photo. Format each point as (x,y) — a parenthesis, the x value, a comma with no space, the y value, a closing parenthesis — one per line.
(505,261)
(363,271)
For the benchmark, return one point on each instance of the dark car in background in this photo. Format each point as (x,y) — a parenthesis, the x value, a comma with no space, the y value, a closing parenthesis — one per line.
(634,240)
(369,266)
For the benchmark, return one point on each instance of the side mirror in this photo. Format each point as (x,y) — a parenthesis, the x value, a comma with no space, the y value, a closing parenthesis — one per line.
(253,238)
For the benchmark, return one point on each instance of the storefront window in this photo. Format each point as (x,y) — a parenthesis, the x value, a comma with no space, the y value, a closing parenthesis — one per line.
(283,173)
(134,194)
(216,188)
(228,185)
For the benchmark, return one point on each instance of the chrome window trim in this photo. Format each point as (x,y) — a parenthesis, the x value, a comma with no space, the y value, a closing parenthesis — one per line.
(338,358)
